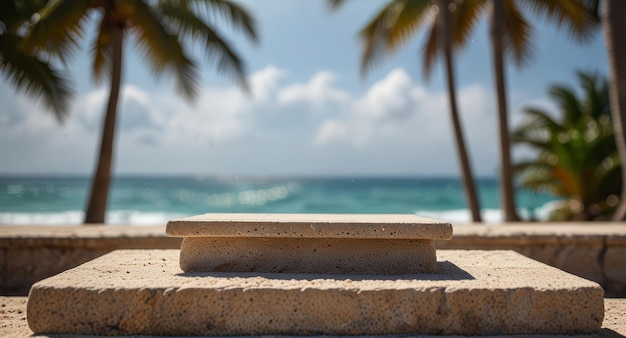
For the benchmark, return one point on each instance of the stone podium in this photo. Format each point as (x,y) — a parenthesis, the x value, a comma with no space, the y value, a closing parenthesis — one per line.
(225,287)
(309,243)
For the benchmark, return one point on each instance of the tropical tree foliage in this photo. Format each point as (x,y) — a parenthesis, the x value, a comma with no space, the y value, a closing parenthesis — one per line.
(449,24)
(576,152)
(28,72)
(511,35)
(158,29)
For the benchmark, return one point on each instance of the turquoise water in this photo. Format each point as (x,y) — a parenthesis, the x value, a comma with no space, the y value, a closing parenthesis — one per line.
(155,200)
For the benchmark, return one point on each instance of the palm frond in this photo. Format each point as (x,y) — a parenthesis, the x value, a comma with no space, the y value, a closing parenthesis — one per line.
(162,49)
(103,51)
(431,47)
(58,29)
(541,119)
(517,34)
(397,21)
(538,177)
(596,91)
(188,24)
(238,17)
(464,18)
(531,165)
(580,159)
(532,134)
(534,142)
(374,43)
(408,16)
(538,132)
(34,77)
(580,18)
(607,179)
(568,103)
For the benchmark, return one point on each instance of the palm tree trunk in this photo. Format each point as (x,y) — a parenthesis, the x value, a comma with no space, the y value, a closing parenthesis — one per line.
(506,171)
(614,28)
(466,171)
(100,183)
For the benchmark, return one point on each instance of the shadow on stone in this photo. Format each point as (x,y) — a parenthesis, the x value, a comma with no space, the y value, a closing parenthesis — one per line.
(608,333)
(445,270)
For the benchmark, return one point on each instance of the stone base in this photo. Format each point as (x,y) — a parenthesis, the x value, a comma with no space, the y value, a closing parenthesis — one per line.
(139,292)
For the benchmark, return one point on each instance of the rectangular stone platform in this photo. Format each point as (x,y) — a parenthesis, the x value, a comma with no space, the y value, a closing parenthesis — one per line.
(144,292)
(309,243)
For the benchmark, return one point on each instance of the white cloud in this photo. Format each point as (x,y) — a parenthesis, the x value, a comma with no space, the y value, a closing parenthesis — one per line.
(318,92)
(397,117)
(330,130)
(388,99)
(307,127)
(393,111)
(265,83)
(88,110)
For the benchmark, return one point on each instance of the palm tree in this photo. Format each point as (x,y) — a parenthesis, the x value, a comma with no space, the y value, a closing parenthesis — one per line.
(577,157)
(158,28)
(28,72)
(449,28)
(614,29)
(511,34)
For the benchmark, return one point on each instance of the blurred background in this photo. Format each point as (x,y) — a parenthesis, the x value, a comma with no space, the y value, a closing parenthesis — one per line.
(313,133)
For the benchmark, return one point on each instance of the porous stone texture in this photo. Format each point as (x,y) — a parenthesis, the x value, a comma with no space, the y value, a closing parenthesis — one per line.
(308,255)
(69,246)
(310,226)
(32,253)
(28,263)
(615,316)
(13,317)
(593,250)
(140,292)
(13,322)
(309,243)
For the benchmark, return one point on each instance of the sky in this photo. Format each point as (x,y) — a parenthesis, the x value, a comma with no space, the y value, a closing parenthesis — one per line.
(310,111)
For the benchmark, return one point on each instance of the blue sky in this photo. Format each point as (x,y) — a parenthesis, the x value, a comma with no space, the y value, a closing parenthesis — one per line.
(310,113)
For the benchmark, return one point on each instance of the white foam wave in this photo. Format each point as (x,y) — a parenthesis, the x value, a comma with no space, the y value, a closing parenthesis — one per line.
(74,217)
(460,216)
(490,215)
(252,197)
(134,217)
(41,218)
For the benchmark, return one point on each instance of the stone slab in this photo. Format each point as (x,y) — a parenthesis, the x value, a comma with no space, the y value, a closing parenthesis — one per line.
(308,255)
(540,241)
(13,322)
(144,292)
(309,243)
(310,226)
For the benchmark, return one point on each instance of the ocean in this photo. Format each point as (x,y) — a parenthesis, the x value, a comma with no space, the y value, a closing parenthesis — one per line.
(139,200)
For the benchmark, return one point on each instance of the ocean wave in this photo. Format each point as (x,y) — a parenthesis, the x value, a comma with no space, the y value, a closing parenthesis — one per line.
(460,216)
(42,218)
(249,197)
(135,217)
(74,217)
